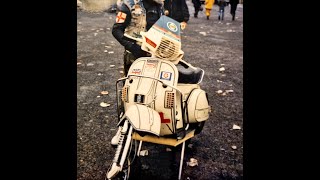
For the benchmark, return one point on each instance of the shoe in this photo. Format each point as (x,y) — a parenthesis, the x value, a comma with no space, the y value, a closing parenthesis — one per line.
(195,15)
(116,138)
(218,17)
(207,17)
(232,18)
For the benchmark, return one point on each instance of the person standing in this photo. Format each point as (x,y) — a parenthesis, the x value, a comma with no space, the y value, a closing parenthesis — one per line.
(197,7)
(208,7)
(132,18)
(233,4)
(221,4)
(177,10)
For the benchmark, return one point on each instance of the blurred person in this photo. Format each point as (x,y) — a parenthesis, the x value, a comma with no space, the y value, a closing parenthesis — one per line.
(197,7)
(233,4)
(177,10)
(208,7)
(227,2)
(221,4)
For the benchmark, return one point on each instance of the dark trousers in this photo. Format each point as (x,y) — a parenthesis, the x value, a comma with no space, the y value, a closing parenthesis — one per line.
(233,9)
(128,59)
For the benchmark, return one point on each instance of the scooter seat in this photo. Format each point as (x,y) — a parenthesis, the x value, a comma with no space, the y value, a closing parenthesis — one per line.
(189,75)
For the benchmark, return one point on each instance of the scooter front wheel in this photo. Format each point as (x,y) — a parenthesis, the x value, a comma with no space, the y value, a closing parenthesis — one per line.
(122,166)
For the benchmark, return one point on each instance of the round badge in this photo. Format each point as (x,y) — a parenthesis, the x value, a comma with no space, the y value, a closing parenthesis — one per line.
(173,27)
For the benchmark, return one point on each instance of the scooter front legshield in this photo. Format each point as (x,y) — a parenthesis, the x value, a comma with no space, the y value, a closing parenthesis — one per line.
(143,118)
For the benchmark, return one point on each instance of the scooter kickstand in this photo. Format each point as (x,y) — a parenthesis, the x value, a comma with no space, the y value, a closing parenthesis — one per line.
(181,160)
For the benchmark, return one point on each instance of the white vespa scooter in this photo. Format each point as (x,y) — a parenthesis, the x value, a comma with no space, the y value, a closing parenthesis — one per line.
(160,100)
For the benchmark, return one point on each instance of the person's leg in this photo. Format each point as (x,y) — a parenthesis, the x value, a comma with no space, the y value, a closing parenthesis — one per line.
(222,15)
(196,10)
(208,13)
(128,59)
(232,11)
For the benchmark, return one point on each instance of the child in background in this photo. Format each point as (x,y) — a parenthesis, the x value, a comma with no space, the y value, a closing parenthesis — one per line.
(221,4)
(208,6)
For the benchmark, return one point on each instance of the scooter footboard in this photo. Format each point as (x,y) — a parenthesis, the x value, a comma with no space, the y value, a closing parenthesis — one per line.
(143,118)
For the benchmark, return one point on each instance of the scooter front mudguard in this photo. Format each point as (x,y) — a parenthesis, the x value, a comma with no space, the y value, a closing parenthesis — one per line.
(143,118)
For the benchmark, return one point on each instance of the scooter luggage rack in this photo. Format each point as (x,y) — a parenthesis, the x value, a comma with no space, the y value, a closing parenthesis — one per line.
(159,139)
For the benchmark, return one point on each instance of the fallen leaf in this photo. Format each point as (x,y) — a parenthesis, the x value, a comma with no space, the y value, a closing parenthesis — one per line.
(104,92)
(221,64)
(223,94)
(91,120)
(234,147)
(78,30)
(104,104)
(219,91)
(78,63)
(107,46)
(98,96)
(236,127)
(192,162)
(101,29)
(144,153)
(223,75)
(219,81)
(229,30)
(95,34)
(105,51)
(81,160)
(80,22)
(121,72)
(90,64)
(203,33)
(222,69)
(229,91)
(111,52)
(99,74)
(112,66)
(228,24)
(168,149)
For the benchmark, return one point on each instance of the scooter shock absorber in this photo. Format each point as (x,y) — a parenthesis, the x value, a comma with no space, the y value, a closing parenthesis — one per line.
(119,148)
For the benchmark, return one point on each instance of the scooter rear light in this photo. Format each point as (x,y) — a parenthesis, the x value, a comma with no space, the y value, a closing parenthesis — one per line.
(169,100)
